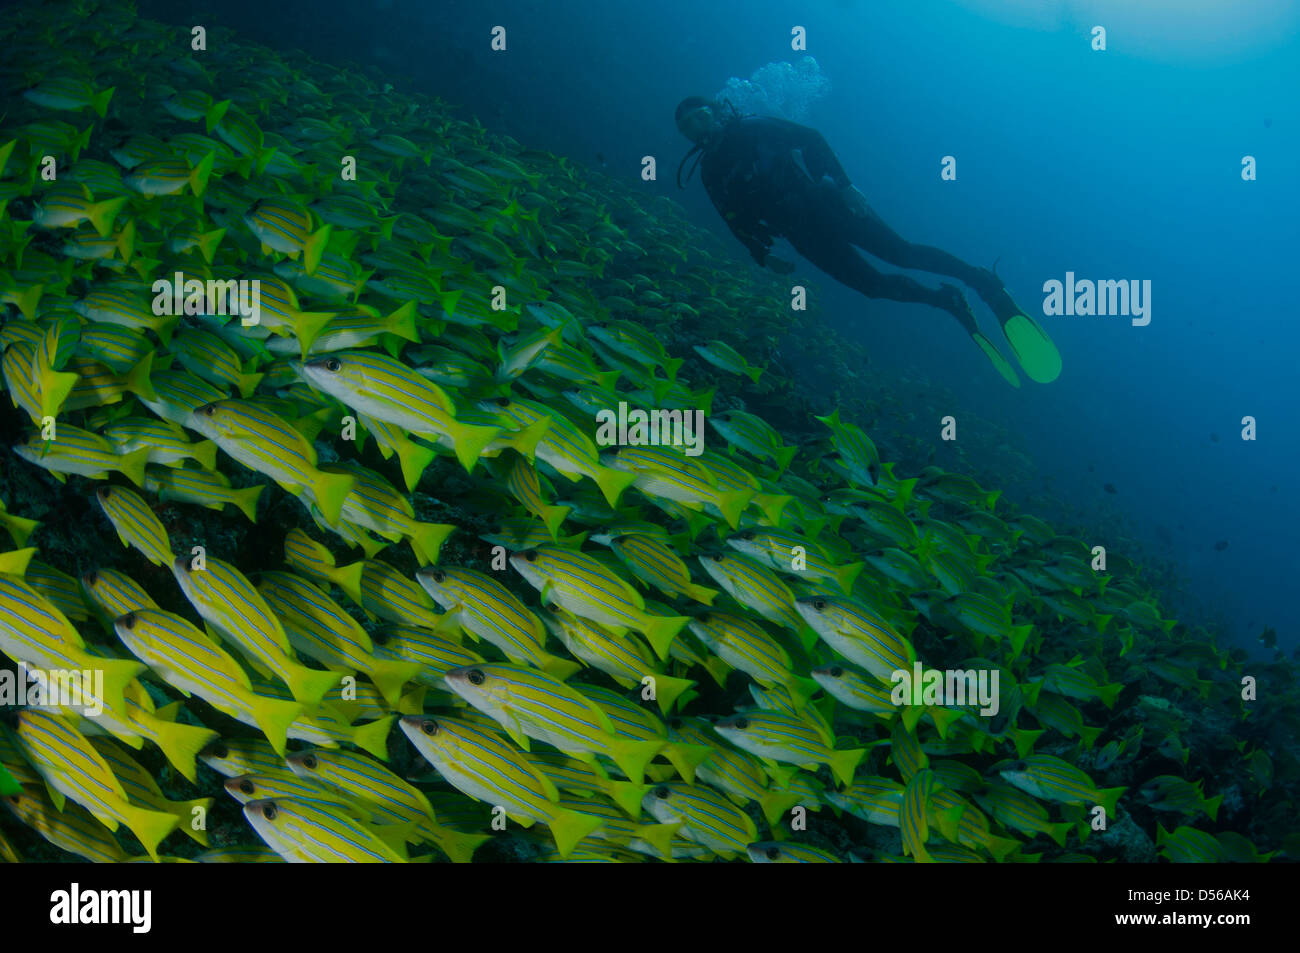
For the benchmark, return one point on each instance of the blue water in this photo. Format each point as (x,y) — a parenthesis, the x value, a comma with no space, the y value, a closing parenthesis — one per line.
(1119,164)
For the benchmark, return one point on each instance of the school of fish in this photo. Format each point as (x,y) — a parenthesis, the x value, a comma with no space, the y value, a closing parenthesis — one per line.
(473,628)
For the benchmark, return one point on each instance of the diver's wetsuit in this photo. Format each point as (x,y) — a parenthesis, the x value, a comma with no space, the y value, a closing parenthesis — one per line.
(770,177)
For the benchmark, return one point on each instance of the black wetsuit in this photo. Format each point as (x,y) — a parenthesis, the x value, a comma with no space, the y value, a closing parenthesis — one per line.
(769,177)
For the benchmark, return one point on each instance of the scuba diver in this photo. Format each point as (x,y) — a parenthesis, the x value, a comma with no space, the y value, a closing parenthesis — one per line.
(769,177)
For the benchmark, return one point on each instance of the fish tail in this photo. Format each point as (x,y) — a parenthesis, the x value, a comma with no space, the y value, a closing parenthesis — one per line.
(402,323)
(126,248)
(772,506)
(686,758)
(138,380)
(943,718)
(348,578)
(627,796)
(330,490)
(99,102)
(131,465)
(802,689)
(754,373)
(558,666)
(20,529)
(309,685)
(732,504)
(660,837)
(102,214)
(307,326)
(459,847)
(1211,806)
(660,631)
(274,716)
(469,442)
(612,482)
(247,383)
(553,518)
(373,737)
(55,386)
(569,827)
(149,826)
(775,803)
(200,173)
(427,539)
(1109,798)
(848,575)
(208,243)
(718,670)
(184,811)
(633,756)
(1018,635)
(246,499)
(784,456)
(1109,694)
(526,439)
(214,114)
(181,743)
(668,689)
(28,299)
(390,677)
(414,458)
(1059,832)
(315,247)
(844,763)
(700,593)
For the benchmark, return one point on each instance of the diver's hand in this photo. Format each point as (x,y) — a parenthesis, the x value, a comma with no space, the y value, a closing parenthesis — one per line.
(779,265)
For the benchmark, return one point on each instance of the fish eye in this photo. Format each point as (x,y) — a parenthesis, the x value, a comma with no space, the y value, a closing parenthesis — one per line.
(438,575)
(501,401)
(429,726)
(662,792)
(128,620)
(219,751)
(333,364)
(207,410)
(92,578)
(530,555)
(747,534)
(247,787)
(309,762)
(836,671)
(742,723)
(705,617)
(269,810)
(819,604)
(773,853)
(379,638)
(476,676)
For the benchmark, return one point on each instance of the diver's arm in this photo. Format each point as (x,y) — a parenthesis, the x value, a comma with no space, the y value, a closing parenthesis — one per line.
(819,158)
(750,234)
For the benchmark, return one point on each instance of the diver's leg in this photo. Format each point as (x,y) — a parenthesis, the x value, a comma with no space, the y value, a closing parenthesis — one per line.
(842,262)
(871,233)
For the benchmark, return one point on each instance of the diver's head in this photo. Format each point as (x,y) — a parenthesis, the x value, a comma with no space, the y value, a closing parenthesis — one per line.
(698,119)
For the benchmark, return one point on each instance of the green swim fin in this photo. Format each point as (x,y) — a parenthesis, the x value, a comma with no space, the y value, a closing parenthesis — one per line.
(1000,363)
(1031,345)
(1033,348)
